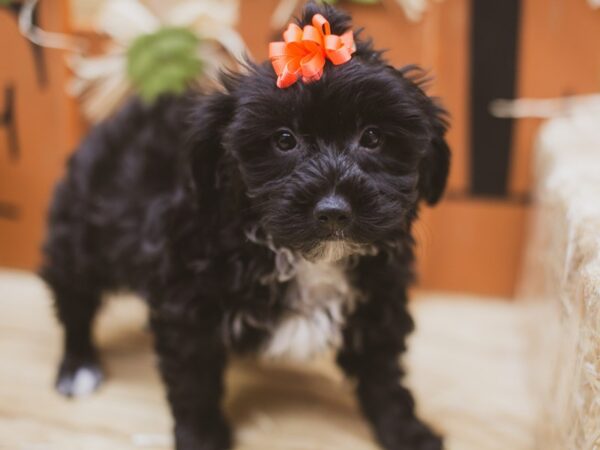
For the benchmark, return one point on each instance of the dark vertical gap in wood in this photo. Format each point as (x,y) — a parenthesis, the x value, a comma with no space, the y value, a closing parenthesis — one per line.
(8,121)
(9,211)
(494,52)
(39,59)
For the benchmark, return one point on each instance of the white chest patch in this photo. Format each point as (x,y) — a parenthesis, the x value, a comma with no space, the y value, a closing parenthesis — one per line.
(318,300)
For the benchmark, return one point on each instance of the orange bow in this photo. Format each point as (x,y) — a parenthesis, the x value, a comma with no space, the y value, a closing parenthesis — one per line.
(303,52)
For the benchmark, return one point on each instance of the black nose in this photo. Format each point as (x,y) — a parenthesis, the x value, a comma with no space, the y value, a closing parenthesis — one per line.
(333,213)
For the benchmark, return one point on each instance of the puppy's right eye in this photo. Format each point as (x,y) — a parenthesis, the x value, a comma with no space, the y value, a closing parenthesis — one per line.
(285,140)
(371,138)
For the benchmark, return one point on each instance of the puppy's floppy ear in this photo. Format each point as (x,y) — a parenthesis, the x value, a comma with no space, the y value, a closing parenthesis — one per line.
(435,165)
(209,119)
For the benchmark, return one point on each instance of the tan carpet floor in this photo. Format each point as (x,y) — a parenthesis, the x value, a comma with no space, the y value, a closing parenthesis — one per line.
(467,367)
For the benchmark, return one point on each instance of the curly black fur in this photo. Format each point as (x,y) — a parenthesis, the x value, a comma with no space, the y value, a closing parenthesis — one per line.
(161,199)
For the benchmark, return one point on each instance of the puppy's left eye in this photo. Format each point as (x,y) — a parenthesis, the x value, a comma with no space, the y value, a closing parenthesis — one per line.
(371,138)
(284,140)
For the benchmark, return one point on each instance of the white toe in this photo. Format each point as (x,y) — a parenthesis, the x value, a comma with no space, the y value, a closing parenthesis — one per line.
(85,381)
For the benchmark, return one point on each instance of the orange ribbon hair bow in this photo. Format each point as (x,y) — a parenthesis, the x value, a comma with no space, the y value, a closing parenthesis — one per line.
(304,51)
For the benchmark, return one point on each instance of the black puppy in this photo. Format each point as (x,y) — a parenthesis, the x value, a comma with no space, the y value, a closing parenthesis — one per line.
(256,219)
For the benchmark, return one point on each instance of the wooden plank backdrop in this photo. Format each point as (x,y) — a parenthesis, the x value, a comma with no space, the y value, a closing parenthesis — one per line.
(467,243)
(559,55)
(44,119)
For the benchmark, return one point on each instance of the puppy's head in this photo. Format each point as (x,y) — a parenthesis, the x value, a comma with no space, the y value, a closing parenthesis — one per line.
(339,163)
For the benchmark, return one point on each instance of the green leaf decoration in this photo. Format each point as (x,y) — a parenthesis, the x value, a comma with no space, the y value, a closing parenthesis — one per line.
(163,62)
(5,2)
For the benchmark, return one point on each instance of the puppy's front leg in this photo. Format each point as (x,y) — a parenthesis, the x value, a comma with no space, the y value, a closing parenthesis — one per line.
(374,338)
(192,360)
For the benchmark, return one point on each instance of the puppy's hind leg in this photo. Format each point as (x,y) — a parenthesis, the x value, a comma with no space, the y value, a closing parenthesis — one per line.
(72,274)
(79,372)
(76,303)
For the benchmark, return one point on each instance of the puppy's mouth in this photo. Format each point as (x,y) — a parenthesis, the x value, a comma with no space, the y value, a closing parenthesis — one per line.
(336,249)
(334,235)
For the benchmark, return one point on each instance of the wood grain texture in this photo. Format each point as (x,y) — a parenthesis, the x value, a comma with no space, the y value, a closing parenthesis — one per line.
(44,116)
(559,56)
(472,245)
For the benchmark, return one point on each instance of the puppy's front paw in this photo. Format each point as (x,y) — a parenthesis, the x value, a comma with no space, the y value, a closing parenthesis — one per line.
(429,442)
(413,436)
(78,376)
(217,437)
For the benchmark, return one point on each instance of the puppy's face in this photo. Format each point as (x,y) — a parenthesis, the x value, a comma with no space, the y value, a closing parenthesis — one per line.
(339,164)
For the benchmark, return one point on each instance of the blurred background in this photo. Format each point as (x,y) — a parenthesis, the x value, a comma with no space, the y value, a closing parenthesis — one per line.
(507,352)
(476,52)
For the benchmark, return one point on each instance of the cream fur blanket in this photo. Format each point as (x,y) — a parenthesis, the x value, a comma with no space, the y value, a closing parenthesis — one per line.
(561,283)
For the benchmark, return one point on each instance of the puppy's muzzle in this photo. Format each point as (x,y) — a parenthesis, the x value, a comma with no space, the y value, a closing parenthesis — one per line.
(333,213)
